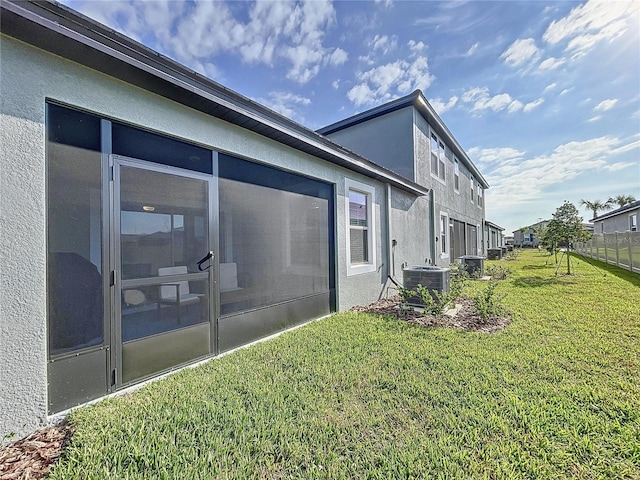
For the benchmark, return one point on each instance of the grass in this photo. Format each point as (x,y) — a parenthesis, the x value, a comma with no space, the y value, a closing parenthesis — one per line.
(556,395)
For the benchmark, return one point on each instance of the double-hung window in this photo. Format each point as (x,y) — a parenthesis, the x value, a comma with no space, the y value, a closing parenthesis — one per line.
(437,158)
(479,195)
(472,191)
(361,253)
(633,222)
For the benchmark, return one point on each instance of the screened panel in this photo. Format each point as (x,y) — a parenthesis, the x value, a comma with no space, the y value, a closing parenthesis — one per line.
(359,245)
(274,242)
(74,230)
(137,143)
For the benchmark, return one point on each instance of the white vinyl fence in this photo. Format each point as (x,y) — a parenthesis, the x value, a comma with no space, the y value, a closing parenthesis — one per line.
(619,248)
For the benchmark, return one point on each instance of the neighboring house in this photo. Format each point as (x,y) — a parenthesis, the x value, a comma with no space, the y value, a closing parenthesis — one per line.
(409,138)
(623,219)
(507,240)
(152,218)
(528,236)
(493,234)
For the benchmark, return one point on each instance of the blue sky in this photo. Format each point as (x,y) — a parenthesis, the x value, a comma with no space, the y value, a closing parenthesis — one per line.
(543,96)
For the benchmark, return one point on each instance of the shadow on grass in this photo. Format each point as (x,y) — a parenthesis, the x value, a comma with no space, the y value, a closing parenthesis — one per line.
(538,267)
(535,281)
(631,277)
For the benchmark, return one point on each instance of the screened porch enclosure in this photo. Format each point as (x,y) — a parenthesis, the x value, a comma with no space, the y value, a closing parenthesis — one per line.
(161,253)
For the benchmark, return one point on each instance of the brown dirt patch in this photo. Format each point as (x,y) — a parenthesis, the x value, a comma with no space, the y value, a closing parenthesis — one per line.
(465,319)
(32,457)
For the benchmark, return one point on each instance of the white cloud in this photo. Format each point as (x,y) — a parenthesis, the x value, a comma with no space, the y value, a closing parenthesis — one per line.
(384,43)
(531,105)
(591,23)
(605,105)
(550,63)
(338,57)
(285,103)
(472,49)
(480,99)
(291,33)
(566,90)
(440,106)
(595,118)
(502,156)
(416,47)
(361,94)
(386,3)
(516,178)
(521,51)
(335,84)
(549,87)
(614,167)
(384,82)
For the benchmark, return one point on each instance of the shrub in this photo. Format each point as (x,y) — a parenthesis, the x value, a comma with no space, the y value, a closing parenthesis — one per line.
(488,303)
(498,272)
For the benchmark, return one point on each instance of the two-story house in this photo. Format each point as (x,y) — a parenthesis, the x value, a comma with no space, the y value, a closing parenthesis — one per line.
(408,137)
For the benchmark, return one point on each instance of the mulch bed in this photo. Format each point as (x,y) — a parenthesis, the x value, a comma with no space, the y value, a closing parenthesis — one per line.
(33,456)
(464,319)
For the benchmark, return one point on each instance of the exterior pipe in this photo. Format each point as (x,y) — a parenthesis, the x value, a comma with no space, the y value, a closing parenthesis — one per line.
(432,212)
(390,266)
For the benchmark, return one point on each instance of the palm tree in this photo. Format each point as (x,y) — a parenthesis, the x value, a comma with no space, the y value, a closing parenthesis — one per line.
(622,200)
(597,206)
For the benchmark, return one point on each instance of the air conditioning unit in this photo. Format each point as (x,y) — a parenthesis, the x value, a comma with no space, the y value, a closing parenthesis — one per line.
(494,253)
(473,264)
(431,277)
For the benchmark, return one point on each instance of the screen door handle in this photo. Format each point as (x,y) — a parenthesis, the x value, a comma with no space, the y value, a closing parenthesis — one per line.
(208,256)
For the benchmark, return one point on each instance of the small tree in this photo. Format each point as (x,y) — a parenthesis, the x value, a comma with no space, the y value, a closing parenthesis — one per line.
(597,206)
(566,227)
(622,200)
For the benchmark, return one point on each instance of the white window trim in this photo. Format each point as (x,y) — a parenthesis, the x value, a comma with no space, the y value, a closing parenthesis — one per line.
(635,214)
(479,195)
(352,185)
(440,160)
(446,236)
(473,191)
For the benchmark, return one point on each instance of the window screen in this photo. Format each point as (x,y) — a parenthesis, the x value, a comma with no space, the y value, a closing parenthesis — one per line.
(275,235)
(137,143)
(74,230)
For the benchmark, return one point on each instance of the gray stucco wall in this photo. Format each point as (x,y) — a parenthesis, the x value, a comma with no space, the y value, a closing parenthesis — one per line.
(385,140)
(616,223)
(410,227)
(29,77)
(456,204)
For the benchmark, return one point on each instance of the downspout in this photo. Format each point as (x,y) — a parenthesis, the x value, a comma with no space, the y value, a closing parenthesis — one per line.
(391,268)
(432,214)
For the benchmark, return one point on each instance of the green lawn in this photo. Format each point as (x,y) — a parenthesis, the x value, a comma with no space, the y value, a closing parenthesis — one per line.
(555,395)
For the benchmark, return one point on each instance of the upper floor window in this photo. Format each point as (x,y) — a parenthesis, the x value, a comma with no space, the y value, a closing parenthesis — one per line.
(437,158)
(472,191)
(361,241)
(479,196)
(456,175)
(633,222)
